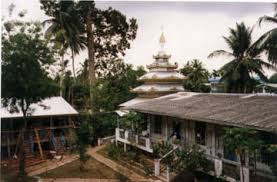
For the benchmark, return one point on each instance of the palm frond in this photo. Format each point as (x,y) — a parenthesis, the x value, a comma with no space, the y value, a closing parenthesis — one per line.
(268,19)
(219,53)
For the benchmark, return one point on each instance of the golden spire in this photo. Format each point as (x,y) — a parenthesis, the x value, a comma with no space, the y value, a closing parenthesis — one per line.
(162,39)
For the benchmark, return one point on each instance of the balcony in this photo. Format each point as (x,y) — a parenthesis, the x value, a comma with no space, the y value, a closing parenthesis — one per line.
(128,137)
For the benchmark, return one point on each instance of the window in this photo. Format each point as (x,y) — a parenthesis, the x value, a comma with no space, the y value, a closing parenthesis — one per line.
(157,124)
(200,133)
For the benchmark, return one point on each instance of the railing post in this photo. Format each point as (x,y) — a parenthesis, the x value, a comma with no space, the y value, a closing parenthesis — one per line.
(167,174)
(147,143)
(218,167)
(157,167)
(99,141)
(126,135)
(244,174)
(117,133)
(137,139)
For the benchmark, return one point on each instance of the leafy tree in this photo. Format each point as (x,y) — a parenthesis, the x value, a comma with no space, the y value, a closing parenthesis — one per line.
(114,87)
(273,78)
(84,139)
(190,157)
(108,33)
(64,27)
(196,75)
(268,41)
(26,55)
(246,60)
(242,141)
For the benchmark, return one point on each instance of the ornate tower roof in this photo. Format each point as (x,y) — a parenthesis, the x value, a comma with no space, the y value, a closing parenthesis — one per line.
(162,77)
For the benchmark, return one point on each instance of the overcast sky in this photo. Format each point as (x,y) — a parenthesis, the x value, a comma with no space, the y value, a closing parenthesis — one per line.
(192,29)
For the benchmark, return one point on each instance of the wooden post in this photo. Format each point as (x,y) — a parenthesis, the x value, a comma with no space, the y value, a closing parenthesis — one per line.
(213,141)
(9,149)
(38,140)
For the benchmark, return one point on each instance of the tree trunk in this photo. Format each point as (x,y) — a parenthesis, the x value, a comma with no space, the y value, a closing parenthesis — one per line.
(73,65)
(22,154)
(62,75)
(91,52)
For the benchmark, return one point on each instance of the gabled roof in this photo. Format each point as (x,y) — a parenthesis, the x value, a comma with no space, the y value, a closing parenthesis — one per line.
(53,106)
(242,110)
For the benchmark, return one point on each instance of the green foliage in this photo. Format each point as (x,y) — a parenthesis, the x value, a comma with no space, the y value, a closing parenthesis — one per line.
(121,178)
(114,87)
(190,157)
(26,57)
(110,36)
(246,60)
(129,120)
(196,75)
(268,40)
(84,139)
(241,139)
(147,169)
(104,124)
(161,148)
(113,151)
(273,78)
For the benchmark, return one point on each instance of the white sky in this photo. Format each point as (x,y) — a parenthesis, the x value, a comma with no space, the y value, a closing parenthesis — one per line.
(192,29)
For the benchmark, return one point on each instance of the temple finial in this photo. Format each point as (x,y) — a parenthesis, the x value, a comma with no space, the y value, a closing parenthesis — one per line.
(162,39)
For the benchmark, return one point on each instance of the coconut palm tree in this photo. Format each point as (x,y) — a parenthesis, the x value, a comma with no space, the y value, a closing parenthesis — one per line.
(246,61)
(268,41)
(66,29)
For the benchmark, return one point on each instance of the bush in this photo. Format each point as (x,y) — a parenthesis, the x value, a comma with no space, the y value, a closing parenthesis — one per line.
(113,151)
(147,169)
(121,177)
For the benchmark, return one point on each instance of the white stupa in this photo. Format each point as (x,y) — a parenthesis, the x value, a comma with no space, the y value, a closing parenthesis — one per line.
(162,78)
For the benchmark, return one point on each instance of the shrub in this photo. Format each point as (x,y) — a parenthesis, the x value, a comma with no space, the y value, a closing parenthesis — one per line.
(113,151)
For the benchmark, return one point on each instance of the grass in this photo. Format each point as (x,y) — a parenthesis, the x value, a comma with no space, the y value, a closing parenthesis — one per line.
(11,176)
(93,169)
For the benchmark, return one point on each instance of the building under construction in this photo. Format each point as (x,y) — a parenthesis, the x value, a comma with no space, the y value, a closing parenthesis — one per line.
(48,130)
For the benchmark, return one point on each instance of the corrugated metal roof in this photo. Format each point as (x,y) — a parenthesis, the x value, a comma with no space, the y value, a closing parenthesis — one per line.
(133,101)
(243,110)
(52,106)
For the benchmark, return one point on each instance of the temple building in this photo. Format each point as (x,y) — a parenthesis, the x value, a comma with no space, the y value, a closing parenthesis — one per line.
(162,78)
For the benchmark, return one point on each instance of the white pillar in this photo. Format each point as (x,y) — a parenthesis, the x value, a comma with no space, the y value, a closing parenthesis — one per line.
(167,174)
(244,173)
(218,167)
(99,141)
(157,167)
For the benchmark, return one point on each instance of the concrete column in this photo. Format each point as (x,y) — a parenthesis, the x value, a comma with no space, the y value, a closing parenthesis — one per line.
(125,147)
(157,167)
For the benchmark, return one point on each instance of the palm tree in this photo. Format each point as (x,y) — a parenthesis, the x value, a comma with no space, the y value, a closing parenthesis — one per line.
(246,60)
(66,29)
(268,41)
(196,76)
